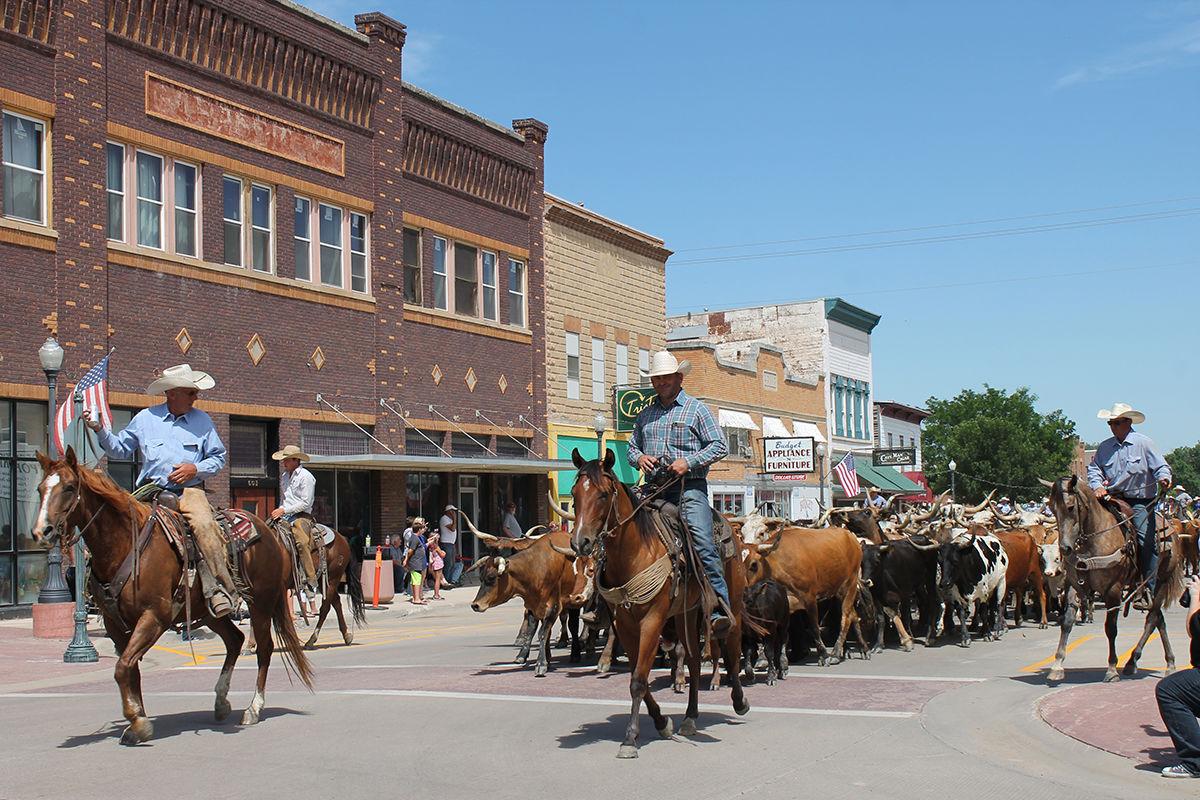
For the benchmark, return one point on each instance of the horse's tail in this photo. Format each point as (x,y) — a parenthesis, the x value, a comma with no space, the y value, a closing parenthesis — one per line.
(354,588)
(1177,566)
(294,658)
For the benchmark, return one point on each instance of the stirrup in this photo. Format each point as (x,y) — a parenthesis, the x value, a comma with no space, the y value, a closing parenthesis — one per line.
(220,604)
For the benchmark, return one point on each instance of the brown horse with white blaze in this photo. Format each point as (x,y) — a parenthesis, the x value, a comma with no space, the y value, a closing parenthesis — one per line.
(156,595)
(610,525)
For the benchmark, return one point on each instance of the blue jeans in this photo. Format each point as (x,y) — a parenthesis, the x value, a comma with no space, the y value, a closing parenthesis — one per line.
(1143,522)
(453,569)
(699,517)
(1178,697)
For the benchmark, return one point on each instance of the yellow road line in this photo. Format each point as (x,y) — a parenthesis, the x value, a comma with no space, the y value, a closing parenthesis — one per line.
(1123,659)
(1045,662)
(198,660)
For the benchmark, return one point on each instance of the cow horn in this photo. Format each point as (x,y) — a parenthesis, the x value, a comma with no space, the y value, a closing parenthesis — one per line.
(824,518)
(1046,483)
(570,554)
(557,509)
(486,538)
(1007,519)
(980,507)
(531,530)
(476,565)
(888,505)
(767,547)
(929,545)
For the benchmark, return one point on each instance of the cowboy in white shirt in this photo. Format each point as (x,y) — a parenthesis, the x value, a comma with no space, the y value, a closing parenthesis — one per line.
(298,487)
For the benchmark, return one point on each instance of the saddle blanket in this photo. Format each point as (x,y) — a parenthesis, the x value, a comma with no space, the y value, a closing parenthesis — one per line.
(239,527)
(324,531)
(668,512)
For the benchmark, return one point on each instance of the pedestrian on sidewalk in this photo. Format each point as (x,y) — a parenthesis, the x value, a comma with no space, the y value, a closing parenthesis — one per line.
(448,537)
(436,561)
(416,559)
(1178,697)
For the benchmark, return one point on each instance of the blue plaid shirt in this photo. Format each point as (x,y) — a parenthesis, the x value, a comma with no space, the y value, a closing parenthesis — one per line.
(684,429)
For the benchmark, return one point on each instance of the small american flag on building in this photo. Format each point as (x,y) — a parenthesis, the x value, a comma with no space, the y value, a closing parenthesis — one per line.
(847,476)
(94,388)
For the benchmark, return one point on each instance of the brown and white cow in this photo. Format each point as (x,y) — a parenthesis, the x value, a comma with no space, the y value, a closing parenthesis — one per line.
(1024,572)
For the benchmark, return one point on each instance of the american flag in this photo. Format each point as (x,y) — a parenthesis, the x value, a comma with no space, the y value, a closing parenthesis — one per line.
(847,476)
(94,388)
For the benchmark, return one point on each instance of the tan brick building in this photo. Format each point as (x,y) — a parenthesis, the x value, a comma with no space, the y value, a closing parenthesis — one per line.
(753,395)
(605,314)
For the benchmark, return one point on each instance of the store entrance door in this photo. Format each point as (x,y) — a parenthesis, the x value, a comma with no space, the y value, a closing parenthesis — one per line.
(468,504)
(259,502)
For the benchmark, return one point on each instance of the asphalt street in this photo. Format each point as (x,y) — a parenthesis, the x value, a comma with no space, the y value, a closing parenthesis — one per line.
(430,705)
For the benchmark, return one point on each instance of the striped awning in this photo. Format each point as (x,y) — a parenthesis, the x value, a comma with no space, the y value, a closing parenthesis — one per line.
(728,418)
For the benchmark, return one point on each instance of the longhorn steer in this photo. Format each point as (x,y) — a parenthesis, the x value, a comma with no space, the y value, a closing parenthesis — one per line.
(767,604)
(812,565)
(898,573)
(1024,572)
(542,577)
(973,567)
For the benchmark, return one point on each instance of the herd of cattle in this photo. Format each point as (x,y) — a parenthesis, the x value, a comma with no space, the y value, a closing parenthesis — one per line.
(855,569)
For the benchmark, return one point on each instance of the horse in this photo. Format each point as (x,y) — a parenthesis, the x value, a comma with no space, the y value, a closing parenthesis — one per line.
(1097,560)
(611,522)
(158,592)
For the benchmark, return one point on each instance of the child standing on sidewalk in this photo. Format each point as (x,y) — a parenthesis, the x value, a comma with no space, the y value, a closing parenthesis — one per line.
(416,559)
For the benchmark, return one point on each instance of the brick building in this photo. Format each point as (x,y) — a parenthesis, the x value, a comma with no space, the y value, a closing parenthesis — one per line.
(595,344)
(253,189)
(753,394)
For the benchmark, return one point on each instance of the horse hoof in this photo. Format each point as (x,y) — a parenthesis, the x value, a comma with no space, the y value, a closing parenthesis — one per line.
(1056,675)
(348,637)
(1170,668)
(741,708)
(1111,676)
(688,728)
(906,646)
(770,680)
(310,645)
(627,751)
(250,717)
(1130,668)
(139,731)
(222,710)
(667,730)
(247,651)
(539,673)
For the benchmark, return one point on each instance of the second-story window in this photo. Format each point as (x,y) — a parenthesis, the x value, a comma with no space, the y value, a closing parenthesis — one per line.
(261,229)
(115,157)
(185,209)
(622,365)
(330,223)
(24,159)
(439,273)
(358,252)
(597,370)
(466,280)
(149,200)
(488,269)
(412,266)
(231,189)
(643,363)
(572,348)
(516,293)
(302,233)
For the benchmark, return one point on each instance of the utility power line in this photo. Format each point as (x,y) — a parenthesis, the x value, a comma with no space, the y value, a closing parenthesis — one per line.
(991,221)
(1015,231)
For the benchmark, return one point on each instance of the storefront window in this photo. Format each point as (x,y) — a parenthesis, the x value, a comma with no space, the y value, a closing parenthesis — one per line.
(424,495)
(344,500)
(774,502)
(729,502)
(22,436)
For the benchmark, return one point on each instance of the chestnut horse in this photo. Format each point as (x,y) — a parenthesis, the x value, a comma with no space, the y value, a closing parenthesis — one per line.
(1096,560)
(609,525)
(75,497)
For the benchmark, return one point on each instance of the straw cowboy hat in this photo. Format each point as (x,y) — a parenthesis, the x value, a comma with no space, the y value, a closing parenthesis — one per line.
(181,376)
(291,451)
(1121,410)
(665,363)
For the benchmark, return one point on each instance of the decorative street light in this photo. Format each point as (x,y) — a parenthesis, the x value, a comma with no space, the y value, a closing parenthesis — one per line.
(599,425)
(54,590)
(821,470)
(953,496)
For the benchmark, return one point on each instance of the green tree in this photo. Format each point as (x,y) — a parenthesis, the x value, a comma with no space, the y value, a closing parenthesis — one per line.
(1185,467)
(996,436)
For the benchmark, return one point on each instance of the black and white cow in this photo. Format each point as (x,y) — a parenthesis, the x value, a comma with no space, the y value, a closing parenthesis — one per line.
(972,569)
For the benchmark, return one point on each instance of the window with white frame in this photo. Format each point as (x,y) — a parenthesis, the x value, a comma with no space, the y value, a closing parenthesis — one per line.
(738,442)
(358,252)
(643,363)
(412,266)
(516,292)
(231,204)
(302,239)
(729,502)
(329,223)
(770,380)
(597,370)
(488,274)
(439,273)
(622,365)
(572,346)
(24,157)
(466,280)
(115,184)
(186,209)
(774,502)
(261,229)
(149,171)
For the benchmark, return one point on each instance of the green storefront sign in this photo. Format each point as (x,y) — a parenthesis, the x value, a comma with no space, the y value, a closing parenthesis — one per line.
(630,403)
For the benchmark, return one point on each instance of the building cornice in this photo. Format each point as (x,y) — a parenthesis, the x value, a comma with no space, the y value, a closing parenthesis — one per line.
(583,220)
(839,310)
(750,365)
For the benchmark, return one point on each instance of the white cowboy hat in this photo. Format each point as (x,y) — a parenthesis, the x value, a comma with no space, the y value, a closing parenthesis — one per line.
(291,451)
(1122,410)
(451,508)
(181,376)
(664,363)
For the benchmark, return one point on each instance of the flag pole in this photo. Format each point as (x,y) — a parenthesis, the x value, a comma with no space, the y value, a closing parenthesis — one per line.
(80,650)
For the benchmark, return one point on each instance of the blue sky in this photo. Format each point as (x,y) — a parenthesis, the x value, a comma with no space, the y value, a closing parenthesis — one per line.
(716,124)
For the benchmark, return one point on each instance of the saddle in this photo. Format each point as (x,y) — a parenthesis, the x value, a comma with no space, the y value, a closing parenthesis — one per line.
(667,522)
(322,537)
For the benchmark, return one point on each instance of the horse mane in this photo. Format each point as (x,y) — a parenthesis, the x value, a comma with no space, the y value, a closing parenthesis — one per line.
(594,470)
(107,489)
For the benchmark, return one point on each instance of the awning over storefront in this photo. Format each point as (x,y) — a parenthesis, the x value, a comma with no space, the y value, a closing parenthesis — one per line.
(920,479)
(886,479)
(807,429)
(773,426)
(511,466)
(728,418)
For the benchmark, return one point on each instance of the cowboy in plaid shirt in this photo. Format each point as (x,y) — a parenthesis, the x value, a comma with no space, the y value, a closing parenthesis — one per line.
(680,431)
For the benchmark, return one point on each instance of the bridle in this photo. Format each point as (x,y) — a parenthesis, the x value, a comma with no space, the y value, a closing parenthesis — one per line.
(57,530)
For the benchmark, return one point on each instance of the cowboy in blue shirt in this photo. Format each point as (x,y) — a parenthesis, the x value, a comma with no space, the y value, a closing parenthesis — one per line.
(679,431)
(1128,466)
(179,447)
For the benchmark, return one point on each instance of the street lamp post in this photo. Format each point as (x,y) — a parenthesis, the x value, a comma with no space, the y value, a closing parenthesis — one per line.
(599,425)
(953,496)
(80,650)
(821,470)
(54,590)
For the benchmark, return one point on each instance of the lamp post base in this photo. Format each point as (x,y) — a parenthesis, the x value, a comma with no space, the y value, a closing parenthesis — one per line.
(80,650)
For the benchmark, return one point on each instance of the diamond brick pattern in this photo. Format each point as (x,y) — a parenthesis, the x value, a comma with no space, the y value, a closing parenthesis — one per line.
(503,384)
(470,379)
(317,358)
(184,340)
(437,375)
(256,348)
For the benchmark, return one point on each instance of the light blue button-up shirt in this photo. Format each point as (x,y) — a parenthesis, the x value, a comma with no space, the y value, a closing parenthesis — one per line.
(164,440)
(1130,468)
